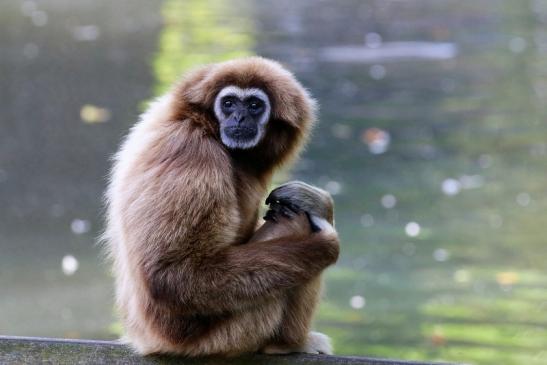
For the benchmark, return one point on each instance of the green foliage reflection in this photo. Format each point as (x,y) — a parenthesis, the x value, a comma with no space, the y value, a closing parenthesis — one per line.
(198,32)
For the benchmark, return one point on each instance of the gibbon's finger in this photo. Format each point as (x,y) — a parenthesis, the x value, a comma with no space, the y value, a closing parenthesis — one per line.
(284,206)
(270,216)
(288,204)
(286,212)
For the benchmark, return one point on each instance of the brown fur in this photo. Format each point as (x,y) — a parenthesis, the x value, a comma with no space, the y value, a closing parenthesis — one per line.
(190,277)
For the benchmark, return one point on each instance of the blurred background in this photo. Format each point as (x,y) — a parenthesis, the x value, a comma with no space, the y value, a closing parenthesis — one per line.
(432,140)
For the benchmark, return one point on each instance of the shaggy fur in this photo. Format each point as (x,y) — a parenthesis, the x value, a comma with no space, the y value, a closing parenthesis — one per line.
(182,212)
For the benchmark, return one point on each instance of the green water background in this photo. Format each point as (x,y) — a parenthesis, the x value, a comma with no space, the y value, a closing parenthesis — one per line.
(470,287)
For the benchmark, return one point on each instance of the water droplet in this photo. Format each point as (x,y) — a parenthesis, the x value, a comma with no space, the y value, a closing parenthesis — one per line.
(333,187)
(39,18)
(496,221)
(523,199)
(86,33)
(441,255)
(389,201)
(451,187)
(377,72)
(507,278)
(348,89)
(28,7)
(377,140)
(93,114)
(471,181)
(31,51)
(438,337)
(69,265)
(367,220)
(517,44)
(80,226)
(357,302)
(462,276)
(412,229)
(373,40)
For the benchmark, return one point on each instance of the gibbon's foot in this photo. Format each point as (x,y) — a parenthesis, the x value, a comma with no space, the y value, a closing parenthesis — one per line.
(316,343)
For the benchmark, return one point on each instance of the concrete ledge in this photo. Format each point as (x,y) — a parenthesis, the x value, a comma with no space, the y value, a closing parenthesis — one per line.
(33,350)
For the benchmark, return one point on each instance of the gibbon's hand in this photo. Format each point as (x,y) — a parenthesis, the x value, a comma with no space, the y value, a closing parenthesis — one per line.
(286,219)
(295,197)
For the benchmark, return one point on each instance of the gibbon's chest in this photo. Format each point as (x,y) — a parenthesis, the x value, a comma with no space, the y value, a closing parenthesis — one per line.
(250,193)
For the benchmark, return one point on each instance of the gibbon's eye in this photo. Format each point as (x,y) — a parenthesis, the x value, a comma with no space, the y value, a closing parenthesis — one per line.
(227,104)
(255,105)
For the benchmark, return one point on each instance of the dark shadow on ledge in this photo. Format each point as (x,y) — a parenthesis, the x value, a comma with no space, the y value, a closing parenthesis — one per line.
(31,350)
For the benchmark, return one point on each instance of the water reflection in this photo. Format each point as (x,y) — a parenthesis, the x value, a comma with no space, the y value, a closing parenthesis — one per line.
(431,139)
(391,52)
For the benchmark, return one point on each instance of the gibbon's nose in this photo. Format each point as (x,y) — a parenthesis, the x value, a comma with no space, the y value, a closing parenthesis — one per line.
(240,116)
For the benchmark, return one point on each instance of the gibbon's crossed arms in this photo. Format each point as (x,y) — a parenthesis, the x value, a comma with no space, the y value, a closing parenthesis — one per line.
(196,272)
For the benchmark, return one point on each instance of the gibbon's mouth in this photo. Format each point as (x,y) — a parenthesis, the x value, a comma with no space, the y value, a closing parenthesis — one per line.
(241,134)
(241,137)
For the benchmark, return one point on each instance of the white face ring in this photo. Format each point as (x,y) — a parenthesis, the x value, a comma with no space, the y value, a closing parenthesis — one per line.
(242,94)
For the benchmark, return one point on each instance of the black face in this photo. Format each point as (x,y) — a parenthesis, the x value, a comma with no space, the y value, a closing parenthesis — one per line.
(242,118)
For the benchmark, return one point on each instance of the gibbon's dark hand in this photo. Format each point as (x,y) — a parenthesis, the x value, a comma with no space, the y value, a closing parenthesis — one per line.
(297,196)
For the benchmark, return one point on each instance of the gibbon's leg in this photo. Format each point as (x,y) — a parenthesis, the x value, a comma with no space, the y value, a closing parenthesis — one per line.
(293,333)
(286,319)
(279,324)
(252,281)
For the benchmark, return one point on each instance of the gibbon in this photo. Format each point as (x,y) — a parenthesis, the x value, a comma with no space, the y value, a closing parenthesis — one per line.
(197,273)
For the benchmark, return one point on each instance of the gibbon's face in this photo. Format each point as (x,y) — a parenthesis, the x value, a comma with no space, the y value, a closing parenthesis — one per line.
(242,115)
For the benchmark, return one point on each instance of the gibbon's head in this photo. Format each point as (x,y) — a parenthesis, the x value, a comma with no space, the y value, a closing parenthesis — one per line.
(254,104)
(242,115)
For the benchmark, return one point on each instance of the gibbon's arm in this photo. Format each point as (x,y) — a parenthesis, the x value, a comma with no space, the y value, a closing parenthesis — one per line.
(242,275)
(178,209)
